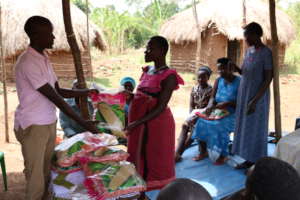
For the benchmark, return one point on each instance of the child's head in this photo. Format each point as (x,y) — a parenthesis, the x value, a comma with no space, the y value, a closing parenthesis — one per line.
(273,179)
(225,68)
(156,49)
(203,75)
(128,83)
(183,189)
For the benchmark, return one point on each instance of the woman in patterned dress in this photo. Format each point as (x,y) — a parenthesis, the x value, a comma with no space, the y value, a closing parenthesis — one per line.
(200,95)
(253,104)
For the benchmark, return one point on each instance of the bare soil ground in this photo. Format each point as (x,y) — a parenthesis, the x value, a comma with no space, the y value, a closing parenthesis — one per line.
(108,70)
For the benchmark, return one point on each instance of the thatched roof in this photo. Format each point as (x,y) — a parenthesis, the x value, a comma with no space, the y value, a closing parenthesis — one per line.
(227,17)
(16,12)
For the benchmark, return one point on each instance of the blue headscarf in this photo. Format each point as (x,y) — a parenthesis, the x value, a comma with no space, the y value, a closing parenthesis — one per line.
(128,79)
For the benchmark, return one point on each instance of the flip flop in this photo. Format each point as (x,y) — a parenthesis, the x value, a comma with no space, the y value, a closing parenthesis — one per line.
(200,157)
(244,165)
(218,163)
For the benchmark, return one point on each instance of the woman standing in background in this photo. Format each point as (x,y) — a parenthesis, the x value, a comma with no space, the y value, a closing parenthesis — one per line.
(253,102)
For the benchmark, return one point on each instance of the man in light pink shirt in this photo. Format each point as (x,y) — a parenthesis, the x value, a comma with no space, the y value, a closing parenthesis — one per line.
(39,94)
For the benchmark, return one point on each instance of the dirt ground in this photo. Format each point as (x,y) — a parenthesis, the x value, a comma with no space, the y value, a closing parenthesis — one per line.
(108,71)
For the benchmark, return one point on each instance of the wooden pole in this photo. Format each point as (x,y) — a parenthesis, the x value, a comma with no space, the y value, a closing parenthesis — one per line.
(4,82)
(243,25)
(244,13)
(198,51)
(276,83)
(76,56)
(88,38)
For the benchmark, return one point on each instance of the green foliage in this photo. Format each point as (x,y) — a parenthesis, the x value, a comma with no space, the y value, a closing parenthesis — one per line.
(81,4)
(158,11)
(126,30)
(292,57)
(122,30)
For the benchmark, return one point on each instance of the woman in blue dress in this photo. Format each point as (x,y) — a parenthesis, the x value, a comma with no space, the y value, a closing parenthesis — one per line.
(213,133)
(253,103)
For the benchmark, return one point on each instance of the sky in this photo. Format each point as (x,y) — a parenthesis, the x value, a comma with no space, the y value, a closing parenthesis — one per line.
(122,6)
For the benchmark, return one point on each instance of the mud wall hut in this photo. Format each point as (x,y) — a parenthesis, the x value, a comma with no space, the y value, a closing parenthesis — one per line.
(221,23)
(14,15)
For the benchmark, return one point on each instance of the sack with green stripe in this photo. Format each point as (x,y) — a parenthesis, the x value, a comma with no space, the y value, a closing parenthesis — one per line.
(110,112)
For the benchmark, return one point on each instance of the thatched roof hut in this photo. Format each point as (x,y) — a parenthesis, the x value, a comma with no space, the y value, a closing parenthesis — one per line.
(16,12)
(221,23)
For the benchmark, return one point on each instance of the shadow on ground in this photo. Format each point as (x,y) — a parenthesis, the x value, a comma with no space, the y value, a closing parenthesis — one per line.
(16,187)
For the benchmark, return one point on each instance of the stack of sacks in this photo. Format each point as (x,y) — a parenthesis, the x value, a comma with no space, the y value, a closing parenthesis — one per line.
(91,167)
(112,179)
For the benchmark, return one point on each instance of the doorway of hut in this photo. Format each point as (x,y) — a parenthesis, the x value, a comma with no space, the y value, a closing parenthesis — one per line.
(234,50)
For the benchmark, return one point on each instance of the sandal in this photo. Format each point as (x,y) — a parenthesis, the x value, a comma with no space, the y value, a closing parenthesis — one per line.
(273,141)
(244,165)
(220,161)
(200,157)
(272,134)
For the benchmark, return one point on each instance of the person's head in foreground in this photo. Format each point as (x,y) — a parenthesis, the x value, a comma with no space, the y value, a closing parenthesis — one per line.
(203,75)
(253,33)
(128,83)
(40,32)
(156,49)
(272,179)
(225,68)
(183,189)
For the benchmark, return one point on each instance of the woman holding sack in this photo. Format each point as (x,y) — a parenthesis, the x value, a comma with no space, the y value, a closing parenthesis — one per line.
(151,128)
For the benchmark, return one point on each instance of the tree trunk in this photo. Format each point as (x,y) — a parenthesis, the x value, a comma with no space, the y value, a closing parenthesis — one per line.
(276,82)
(198,51)
(4,82)
(244,13)
(88,39)
(76,56)
(244,24)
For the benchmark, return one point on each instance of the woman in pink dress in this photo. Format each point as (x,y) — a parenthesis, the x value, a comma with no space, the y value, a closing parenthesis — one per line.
(151,128)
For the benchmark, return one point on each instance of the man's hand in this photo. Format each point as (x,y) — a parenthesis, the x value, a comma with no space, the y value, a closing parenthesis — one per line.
(93,91)
(87,92)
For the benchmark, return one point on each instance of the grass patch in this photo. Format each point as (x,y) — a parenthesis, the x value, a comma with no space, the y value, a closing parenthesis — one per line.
(292,59)
(101,81)
(289,69)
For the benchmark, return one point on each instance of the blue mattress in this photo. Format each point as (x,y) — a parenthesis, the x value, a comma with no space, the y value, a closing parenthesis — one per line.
(220,181)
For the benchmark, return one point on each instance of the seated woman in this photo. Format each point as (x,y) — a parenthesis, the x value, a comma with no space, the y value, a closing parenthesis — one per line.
(200,96)
(216,122)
